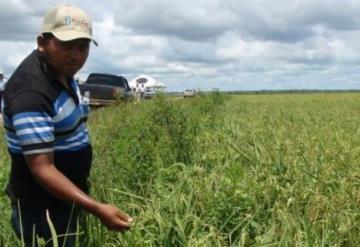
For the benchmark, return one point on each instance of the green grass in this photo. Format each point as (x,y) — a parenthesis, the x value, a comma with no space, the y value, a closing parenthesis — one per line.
(218,170)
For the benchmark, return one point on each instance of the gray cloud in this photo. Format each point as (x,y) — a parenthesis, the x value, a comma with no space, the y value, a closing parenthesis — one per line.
(17,21)
(195,20)
(227,44)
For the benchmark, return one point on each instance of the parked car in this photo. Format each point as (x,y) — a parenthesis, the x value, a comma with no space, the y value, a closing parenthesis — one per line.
(104,89)
(189,93)
(149,93)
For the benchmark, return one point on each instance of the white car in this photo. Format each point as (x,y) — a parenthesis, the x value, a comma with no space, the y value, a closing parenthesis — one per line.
(189,93)
(149,93)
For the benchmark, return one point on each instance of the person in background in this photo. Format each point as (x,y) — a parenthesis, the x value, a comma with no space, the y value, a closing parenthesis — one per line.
(2,87)
(48,141)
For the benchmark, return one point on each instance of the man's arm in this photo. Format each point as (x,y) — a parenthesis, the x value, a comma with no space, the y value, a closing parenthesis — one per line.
(44,171)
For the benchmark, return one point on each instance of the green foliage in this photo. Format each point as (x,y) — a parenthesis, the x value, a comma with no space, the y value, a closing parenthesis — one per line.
(215,170)
(143,138)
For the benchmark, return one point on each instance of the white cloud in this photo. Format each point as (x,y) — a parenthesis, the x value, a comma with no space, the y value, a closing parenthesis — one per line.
(239,49)
(227,44)
(13,53)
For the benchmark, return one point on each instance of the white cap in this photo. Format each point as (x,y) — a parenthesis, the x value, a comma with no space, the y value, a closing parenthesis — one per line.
(67,22)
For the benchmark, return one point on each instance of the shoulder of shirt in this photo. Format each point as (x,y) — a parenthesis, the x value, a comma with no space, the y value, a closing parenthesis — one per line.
(28,77)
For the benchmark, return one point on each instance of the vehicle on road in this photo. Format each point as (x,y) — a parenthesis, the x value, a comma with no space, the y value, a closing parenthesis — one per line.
(104,89)
(189,93)
(149,93)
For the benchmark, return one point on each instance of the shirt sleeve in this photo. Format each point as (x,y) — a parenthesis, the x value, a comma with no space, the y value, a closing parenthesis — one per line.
(33,123)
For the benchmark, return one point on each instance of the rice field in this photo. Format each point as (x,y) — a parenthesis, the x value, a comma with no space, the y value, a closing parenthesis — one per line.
(224,170)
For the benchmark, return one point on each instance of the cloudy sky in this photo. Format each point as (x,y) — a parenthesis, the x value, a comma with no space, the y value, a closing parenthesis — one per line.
(225,44)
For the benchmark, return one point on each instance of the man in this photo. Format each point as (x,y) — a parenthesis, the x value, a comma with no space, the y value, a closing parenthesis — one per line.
(2,87)
(44,118)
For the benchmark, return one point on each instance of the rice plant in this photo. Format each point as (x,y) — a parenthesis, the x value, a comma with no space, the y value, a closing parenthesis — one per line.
(221,170)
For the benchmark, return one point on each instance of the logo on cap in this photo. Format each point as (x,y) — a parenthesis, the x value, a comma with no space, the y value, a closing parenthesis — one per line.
(67,20)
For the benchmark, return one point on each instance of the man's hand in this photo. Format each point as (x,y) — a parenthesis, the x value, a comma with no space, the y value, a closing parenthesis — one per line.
(44,171)
(113,218)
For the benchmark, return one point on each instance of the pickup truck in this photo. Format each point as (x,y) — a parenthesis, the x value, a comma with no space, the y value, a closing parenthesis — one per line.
(104,89)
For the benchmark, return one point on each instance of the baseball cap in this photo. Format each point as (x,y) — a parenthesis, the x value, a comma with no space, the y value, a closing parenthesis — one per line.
(67,22)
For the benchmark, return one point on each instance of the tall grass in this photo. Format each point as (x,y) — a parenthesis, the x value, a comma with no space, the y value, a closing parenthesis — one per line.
(215,170)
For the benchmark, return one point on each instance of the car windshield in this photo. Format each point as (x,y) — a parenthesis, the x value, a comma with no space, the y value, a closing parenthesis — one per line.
(107,80)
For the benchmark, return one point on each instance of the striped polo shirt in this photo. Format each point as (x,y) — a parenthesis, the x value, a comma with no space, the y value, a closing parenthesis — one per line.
(41,116)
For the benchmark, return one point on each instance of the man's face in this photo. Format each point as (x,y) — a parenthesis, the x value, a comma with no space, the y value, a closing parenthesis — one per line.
(64,58)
